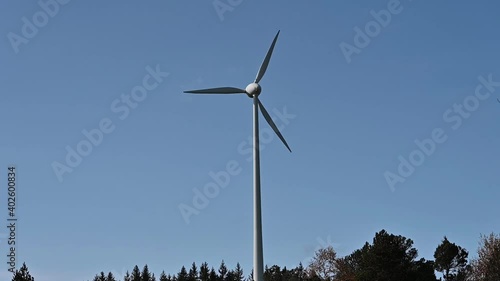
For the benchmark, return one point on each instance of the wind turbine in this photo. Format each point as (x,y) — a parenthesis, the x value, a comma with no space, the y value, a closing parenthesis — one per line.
(253,90)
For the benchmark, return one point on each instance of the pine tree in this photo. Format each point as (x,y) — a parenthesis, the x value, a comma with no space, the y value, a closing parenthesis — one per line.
(23,274)
(238,273)
(163,276)
(213,275)
(222,271)
(110,277)
(193,273)
(126,277)
(145,275)
(250,277)
(230,276)
(136,274)
(300,272)
(100,277)
(204,272)
(450,259)
(182,275)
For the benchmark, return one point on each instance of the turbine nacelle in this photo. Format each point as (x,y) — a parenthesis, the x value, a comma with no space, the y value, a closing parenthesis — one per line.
(253,89)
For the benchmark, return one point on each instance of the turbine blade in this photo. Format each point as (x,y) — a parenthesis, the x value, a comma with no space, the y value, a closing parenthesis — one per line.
(265,63)
(271,123)
(222,90)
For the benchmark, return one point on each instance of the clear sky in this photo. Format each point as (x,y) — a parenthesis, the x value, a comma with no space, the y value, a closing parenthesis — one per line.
(347,113)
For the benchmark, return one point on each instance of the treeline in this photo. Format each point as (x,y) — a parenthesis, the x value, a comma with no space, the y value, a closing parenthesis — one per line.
(388,258)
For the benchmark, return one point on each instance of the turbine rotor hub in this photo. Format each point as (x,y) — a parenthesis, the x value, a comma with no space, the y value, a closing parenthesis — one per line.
(253,89)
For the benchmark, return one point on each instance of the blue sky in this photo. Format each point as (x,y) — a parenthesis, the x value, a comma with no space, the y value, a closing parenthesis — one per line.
(348,122)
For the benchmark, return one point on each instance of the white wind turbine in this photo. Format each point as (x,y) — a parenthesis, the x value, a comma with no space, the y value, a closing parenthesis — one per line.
(253,90)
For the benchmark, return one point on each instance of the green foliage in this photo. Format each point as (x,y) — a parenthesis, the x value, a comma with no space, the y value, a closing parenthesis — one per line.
(451,260)
(389,258)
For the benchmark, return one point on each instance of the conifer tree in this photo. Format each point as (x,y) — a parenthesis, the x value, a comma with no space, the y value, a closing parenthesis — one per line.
(145,275)
(100,277)
(136,274)
(238,273)
(126,277)
(204,272)
(193,273)
(450,259)
(182,275)
(213,275)
(163,276)
(23,274)
(110,277)
(222,271)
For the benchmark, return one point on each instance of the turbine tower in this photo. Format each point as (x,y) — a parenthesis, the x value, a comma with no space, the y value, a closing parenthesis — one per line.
(253,91)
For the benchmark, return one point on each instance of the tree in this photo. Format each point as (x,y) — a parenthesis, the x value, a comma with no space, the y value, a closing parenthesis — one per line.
(126,277)
(110,277)
(213,275)
(163,276)
(323,263)
(450,259)
(145,275)
(182,275)
(204,272)
(423,271)
(389,258)
(273,273)
(136,274)
(230,276)
(193,273)
(100,277)
(23,274)
(250,276)
(486,267)
(299,272)
(238,273)
(348,267)
(222,271)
